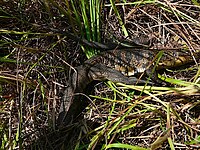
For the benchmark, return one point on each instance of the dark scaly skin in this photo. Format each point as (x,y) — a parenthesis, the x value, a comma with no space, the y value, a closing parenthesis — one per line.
(117,66)
(125,64)
(113,65)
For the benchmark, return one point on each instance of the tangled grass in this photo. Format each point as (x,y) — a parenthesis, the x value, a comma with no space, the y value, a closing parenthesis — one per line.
(35,62)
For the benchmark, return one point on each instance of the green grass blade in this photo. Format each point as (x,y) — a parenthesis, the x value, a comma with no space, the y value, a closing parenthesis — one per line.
(125,146)
(119,18)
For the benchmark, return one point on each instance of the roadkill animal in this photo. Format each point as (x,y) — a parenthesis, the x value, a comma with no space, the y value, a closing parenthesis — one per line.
(119,65)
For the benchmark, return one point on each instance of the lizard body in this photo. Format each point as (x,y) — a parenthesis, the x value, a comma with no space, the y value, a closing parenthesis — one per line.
(119,65)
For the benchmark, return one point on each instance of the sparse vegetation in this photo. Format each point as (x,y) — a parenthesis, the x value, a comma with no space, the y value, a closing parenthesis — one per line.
(35,60)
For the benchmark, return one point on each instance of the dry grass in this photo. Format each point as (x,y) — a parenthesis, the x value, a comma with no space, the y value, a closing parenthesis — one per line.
(34,73)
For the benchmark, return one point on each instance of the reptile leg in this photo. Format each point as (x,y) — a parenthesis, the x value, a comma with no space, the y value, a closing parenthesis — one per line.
(72,105)
(66,103)
(77,106)
(102,72)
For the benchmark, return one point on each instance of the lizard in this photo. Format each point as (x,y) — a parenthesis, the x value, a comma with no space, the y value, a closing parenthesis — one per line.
(118,65)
